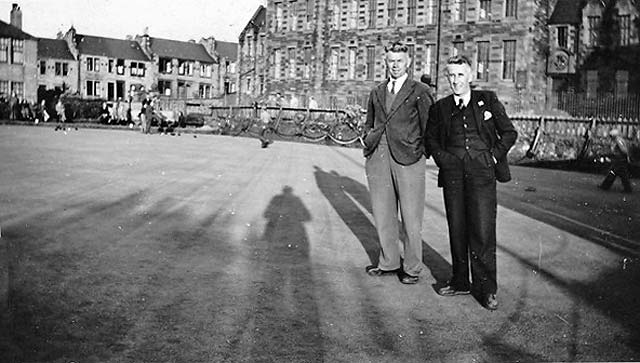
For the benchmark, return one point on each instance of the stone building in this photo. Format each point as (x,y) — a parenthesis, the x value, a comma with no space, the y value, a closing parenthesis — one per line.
(594,47)
(109,68)
(57,67)
(227,75)
(18,59)
(334,49)
(252,63)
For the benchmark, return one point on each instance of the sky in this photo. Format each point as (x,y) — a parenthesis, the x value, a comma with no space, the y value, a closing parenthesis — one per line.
(171,19)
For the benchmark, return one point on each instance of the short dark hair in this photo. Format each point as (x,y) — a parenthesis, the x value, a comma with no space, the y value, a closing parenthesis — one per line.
(426,79)
(397,47)
(459,59)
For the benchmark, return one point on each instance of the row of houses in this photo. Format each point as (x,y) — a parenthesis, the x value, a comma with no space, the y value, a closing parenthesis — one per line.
(96,67)
(526,50)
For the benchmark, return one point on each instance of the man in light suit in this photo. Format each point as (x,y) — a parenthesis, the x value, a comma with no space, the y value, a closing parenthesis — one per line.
(395,165)
(469,136)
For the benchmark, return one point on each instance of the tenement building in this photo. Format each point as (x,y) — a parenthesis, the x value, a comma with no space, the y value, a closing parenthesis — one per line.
(334,49)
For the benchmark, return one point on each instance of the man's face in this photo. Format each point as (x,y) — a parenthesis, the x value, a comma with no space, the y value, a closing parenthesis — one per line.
(397,63)
(459,77)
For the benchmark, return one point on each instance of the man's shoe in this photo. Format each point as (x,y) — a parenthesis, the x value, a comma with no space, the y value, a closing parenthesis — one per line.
(377,271)
(449,290)
(490,301)
(409,279)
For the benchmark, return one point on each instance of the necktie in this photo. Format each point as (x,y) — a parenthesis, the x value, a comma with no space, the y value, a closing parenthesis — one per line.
(393,86)
(460,104)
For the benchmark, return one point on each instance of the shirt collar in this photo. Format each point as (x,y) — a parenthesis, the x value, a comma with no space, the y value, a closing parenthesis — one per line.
(466,98)
(399,82)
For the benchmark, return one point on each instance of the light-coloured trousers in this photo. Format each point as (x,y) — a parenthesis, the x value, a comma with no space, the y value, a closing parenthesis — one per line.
(396,187)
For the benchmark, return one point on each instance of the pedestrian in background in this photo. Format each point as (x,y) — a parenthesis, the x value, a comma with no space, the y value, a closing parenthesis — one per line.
(469,135)
(265,133)
(395,165)
(619,162)
(60,111)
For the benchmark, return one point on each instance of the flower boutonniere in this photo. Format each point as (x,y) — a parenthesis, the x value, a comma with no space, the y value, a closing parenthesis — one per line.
(480,103)
(487,115)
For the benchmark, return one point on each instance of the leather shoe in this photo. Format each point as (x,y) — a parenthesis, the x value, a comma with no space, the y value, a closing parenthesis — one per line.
(409,279)
(377,271)
(490,301)
(449,290)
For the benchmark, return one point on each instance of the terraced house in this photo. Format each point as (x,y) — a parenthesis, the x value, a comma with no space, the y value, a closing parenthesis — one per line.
(57,67)
(109,68)
(18,54)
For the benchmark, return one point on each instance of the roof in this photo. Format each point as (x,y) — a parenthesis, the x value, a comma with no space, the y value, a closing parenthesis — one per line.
(227,50)
(109,47)
(567,12)
(10,31)
(257,21)
(181,50)
(54,48)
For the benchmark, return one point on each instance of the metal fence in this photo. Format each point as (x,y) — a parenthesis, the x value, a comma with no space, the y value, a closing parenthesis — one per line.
(601,105)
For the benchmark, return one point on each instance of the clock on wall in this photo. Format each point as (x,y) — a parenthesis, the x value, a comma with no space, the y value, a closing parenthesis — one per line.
(560,62)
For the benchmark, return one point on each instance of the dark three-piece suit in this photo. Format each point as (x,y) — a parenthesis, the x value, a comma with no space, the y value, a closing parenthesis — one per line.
(470,145)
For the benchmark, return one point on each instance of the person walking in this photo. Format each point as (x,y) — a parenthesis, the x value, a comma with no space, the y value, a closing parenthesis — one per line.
(619,162)
(469,135)
(395,166)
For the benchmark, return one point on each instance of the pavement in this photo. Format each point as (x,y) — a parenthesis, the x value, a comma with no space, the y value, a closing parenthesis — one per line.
(122,247)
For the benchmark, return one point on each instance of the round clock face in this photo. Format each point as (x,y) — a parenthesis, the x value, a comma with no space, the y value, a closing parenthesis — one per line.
(561,61)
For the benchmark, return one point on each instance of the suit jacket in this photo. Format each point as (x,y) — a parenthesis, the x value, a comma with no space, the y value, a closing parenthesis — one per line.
(405,123)
(495,127)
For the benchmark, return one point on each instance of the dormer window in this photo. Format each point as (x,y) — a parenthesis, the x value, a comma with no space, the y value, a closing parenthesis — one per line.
(562,37)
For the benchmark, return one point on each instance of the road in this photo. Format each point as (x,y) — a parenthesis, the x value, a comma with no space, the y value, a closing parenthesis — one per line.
(122,247)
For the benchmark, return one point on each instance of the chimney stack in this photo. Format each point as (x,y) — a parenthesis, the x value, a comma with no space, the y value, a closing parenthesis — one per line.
(16,16)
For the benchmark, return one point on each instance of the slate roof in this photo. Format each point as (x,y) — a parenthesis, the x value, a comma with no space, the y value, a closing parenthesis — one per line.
(227,50)
(54,48)
(109,47)
(567,12)
(181,50)
(257,21)
(10,31)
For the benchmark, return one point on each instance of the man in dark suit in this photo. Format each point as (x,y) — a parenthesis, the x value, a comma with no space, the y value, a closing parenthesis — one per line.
(395,165)
(469,135)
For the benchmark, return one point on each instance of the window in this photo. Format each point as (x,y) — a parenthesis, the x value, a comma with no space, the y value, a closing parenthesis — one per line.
(458,48)
(18,89)
(391,11)
(65,69)
(137,69)
(509,60)
(429,64)
(371,62)
(511,9)
(18,51)
(277,63)
(431,11)
(562,36)
(310,12)
(182,67)
(592,31)
(110,66)
(292,62)
(333,63)
(622,83)
(485,10)
(624,24)
(482,64)
(93,88)
(93,64)
(277,21)
(120,66)
(4,50)
(165,65)
(412,56)
(411,12)
(372,13)
(58,67)
(4,89)
(458,10)
(592,83)
(43,67)
(351,69)
(307,62)
(205,70)
(164,87)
